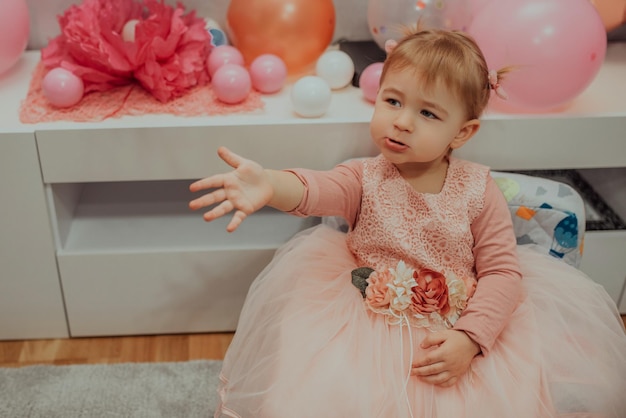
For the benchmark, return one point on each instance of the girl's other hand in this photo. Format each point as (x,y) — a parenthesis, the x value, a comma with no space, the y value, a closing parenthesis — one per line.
(448,356)
(245,190)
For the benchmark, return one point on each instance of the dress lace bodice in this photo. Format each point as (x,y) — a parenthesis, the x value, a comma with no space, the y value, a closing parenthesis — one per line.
(424,230)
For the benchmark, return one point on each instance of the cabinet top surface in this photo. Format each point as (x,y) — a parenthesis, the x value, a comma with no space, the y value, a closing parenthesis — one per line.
(605,97)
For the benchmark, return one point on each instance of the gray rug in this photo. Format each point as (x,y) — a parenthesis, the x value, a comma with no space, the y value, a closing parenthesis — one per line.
(150,390)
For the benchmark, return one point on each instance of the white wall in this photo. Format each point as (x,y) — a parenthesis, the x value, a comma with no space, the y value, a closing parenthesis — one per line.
(351,17)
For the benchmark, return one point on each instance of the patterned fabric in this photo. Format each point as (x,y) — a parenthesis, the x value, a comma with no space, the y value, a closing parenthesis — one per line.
(443,218)
(545,212)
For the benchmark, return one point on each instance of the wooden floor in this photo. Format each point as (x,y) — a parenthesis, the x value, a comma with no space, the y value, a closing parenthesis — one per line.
(158,348)
(161,348)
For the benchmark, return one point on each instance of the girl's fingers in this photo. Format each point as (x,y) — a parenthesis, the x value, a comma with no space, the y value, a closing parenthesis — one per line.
(212,182)
(208,199)
(237,219)
(229,157)
(216,181)
(220,210)
(429,370)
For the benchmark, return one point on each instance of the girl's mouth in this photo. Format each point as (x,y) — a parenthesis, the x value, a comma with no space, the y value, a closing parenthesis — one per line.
(395,146)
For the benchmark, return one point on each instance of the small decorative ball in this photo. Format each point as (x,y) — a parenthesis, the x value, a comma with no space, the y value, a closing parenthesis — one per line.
(336,67)
(223,54)
(218,37)
(211,24)
(128,32)
(231,83)
(369,81)
(268,72)
(62,88)
(311,96)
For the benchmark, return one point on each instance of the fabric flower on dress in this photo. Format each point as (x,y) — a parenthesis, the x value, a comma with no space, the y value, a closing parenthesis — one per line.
(422,298)
(167,57)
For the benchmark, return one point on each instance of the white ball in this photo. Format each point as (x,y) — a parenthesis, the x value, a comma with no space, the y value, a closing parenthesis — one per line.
(211,24)
(336,67)
(310,96)
(128,31)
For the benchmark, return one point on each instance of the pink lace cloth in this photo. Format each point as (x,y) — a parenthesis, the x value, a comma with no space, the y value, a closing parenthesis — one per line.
(422,231)
(130,100)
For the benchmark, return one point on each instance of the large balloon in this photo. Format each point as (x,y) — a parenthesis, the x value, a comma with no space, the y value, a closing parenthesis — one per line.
(387,17)
(555,46)
(297,31)
(612,12)
(14,31)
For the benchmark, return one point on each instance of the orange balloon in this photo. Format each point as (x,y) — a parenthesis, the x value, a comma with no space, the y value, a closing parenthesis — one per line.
(298,31)
(612,12)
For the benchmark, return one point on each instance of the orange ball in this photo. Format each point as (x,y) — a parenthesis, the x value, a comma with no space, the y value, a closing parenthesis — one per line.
(298,31)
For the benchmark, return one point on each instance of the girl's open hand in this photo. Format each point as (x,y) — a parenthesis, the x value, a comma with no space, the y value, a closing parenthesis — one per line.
(448,356)
(245,189)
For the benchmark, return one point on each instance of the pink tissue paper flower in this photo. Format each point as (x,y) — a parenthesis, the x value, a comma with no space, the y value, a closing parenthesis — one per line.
(167,58)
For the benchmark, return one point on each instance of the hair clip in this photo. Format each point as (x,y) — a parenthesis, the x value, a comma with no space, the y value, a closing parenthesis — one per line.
(495,85)
(390,45)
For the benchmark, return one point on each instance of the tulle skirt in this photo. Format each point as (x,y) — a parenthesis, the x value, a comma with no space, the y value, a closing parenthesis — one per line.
(306,346)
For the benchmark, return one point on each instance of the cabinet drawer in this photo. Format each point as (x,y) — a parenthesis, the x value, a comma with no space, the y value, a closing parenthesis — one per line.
(604,260)
(174,153)
(157,292)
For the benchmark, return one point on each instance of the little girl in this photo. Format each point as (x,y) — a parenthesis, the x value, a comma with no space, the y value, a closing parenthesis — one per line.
(426,307)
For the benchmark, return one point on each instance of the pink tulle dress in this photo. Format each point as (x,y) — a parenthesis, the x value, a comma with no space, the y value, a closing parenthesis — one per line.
(311,344)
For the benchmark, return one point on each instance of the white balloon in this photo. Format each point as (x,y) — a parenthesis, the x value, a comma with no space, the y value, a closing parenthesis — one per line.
(336,67)
(310,96)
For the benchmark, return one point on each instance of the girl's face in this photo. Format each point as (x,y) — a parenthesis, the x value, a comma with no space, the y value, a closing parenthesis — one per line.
(416,125)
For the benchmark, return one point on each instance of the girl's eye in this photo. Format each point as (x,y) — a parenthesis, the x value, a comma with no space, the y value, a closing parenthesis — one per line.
(428,114)
(393,102)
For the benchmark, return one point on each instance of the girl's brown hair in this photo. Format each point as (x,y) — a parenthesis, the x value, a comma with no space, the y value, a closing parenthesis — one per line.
(449,57)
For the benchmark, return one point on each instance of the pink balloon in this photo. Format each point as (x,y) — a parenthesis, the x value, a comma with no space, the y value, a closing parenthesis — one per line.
(268,73)
(14,32)
(475,6)
(231,83)
(369,80)
(556,46)
(223,54)
(62,88)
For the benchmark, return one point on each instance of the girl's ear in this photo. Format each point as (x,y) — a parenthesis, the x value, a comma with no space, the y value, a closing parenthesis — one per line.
(467,131)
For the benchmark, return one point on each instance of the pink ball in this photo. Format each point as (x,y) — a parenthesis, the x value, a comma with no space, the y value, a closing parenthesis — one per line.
(223,54)
(62,88)
(268,73)
(555,46)
(231,83)
(14,32)
(369,80)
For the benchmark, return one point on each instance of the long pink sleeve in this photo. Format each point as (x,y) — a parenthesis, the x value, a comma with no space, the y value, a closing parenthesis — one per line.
(336,192)
(499,287)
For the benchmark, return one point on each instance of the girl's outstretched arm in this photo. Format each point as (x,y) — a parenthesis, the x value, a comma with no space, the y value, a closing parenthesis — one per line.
(245,190)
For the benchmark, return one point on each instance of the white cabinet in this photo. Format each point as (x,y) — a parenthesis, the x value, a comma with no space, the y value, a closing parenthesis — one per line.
(604,260)
(31,302)
(133,259)
(107,203)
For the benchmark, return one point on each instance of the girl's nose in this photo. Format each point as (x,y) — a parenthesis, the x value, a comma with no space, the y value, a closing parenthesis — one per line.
(404,121)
